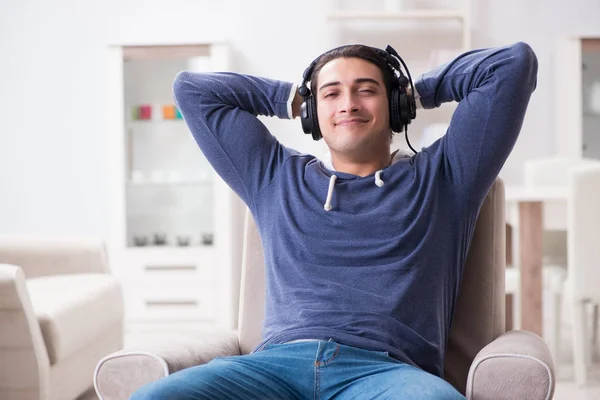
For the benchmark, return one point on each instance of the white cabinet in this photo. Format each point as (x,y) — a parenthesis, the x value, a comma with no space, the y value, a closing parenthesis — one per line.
(577,97)
(176,226)
(426,33)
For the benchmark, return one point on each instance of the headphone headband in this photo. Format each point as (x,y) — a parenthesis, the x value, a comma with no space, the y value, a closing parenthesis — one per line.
(389,55)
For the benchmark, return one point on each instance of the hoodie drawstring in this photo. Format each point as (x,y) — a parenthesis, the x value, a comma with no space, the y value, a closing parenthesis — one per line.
(378,180)
(327,205)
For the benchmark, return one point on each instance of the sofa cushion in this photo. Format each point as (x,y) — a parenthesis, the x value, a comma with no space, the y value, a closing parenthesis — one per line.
(73,310)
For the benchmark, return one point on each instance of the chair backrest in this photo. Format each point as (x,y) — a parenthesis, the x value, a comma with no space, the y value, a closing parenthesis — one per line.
(551,171)
(40,255)
(584,232)
(479,313)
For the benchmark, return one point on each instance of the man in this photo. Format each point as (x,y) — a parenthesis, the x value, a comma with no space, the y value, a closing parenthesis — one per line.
(364,254)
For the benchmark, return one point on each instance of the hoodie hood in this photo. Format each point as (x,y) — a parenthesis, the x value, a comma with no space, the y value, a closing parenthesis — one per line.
(328,163)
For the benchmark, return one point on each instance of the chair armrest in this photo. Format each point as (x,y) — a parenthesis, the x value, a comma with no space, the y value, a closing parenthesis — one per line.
(120,374)
(24,363)
(45,255)
(517,365)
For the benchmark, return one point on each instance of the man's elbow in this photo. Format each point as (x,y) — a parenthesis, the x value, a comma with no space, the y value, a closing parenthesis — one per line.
(527,64)
(181,83)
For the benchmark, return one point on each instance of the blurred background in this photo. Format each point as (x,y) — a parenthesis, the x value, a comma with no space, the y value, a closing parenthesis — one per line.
(92,145)
(53,140)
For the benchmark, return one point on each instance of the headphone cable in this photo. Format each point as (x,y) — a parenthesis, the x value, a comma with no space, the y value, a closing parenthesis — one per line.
(408,141)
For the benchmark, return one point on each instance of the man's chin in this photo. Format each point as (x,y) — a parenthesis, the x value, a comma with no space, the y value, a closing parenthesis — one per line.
(350,147)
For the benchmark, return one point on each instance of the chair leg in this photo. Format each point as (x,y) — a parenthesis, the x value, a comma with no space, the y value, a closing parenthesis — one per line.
(595,326)
(509,317)
(594,341)
(554,343)
(517,310)
(580,340)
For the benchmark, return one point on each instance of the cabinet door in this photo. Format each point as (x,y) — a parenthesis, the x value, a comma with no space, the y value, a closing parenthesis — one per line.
(567,98)
(113,124)
(591,97)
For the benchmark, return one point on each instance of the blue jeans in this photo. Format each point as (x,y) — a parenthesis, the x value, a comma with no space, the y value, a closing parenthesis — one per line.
(301,370)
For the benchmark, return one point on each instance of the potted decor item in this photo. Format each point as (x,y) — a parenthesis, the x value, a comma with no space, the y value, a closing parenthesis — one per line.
(207,239)
(140,241)
(160,239)
(183,240)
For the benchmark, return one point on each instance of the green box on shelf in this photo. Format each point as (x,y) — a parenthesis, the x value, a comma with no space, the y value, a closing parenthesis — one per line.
(135,113)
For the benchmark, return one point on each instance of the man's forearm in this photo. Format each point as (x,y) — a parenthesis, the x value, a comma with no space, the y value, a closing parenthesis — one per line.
(474,69)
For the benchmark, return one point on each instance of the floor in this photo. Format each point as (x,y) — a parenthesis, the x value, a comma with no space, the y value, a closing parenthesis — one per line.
(566,389)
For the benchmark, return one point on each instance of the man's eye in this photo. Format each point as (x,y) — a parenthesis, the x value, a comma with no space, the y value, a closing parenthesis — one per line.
(329,95)
(367,91)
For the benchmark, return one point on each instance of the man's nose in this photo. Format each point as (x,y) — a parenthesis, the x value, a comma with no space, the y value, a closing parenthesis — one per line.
(349,104)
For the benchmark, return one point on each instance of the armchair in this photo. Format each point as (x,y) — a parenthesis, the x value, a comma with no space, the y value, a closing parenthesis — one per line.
(482,361)
(60,312)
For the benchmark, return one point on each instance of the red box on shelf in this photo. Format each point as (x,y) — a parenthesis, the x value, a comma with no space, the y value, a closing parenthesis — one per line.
(145,111)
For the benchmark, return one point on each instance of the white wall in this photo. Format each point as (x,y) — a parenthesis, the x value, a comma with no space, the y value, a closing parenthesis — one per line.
(53,153)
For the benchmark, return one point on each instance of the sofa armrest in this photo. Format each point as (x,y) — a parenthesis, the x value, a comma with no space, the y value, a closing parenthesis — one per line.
(517,365)
(24,363)
(46,255)
(120,374)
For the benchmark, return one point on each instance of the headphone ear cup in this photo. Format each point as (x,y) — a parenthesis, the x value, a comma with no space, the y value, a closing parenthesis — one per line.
(395,121)
(404,108)
(305,118)
(314,119)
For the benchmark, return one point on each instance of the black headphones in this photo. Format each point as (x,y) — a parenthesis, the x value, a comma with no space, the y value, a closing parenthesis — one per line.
(401,105)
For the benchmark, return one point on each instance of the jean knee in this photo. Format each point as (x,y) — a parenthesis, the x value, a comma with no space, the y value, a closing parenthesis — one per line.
(440,390)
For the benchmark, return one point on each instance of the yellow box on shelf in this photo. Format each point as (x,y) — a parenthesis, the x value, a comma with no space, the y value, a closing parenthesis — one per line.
(169,112)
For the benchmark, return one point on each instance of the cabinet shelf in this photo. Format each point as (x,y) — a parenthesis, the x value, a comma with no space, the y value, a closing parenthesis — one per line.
(170,183)
(194,251)
(143,122)
(400,15)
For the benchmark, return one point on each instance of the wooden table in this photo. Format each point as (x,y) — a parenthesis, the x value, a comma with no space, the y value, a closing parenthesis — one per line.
(530,202)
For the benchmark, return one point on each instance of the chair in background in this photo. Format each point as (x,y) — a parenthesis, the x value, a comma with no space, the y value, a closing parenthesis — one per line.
(559,227)
(61,311)
(583,281)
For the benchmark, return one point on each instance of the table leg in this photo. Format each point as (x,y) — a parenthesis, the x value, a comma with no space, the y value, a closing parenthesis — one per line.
(530,239)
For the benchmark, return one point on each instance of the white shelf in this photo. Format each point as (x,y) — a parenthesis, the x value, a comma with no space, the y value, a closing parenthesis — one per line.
(137,122)
(170,250)
(398,15)
(182,182)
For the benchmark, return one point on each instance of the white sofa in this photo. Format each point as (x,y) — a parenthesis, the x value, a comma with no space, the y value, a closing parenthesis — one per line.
(61,311)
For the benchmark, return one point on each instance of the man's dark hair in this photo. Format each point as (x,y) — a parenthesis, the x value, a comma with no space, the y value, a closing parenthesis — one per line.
(354,51)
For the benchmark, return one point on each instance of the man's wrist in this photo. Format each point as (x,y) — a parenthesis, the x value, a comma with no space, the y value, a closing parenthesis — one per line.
(293,108)
(296,103)
(417,97)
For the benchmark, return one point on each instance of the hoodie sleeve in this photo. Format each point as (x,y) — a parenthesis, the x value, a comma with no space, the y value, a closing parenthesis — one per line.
(493,88)
(221,111)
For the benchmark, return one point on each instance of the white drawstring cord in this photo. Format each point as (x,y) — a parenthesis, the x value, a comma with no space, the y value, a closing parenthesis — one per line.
(378,180)
(327,205)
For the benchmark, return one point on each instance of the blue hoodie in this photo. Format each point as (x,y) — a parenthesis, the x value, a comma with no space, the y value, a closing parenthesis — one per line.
(381,269)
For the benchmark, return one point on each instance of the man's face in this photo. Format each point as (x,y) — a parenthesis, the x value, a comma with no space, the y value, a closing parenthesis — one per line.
(352,107)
